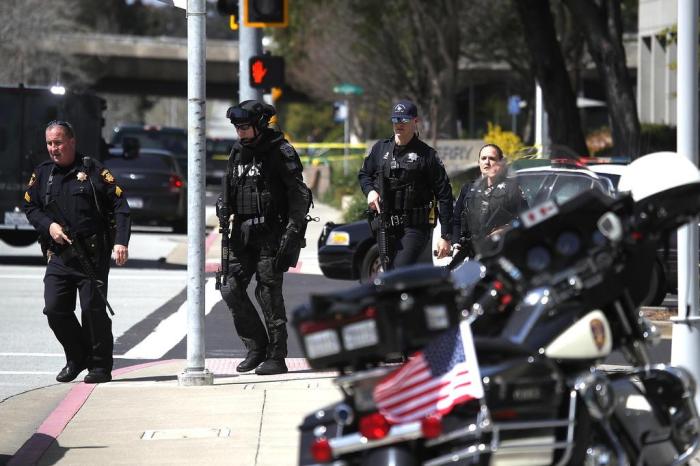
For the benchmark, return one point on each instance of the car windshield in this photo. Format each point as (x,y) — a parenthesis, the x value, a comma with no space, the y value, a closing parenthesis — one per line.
(219,146)
(149,162)
(559,186)
(173,141)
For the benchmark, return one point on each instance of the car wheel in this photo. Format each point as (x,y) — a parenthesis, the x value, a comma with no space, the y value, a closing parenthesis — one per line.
(370,266)
(657,286)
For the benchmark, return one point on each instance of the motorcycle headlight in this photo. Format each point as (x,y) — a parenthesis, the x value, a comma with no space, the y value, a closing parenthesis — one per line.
(338,238)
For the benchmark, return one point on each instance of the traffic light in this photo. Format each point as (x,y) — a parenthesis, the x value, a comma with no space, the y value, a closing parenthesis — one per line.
(265,13)
(266,71)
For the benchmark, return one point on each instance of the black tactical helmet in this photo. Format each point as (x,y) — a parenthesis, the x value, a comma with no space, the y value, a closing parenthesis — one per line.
(251,112)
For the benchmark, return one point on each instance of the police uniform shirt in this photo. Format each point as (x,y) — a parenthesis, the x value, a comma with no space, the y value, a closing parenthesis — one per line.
(482,208)
(421,165)
(72,189)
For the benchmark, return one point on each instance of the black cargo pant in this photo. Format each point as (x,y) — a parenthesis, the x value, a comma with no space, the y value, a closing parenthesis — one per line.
(408,244)
(257,257)
(90,341)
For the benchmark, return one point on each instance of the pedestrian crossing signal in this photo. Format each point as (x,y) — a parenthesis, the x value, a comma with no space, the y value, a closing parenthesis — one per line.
(266,72)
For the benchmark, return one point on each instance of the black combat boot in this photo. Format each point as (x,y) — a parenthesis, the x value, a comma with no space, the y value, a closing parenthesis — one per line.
(272,366)
(251,361)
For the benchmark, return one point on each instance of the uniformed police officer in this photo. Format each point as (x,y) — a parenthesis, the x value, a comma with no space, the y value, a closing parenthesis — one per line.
(74,199)
(488,205)
(269,202)
(404,176)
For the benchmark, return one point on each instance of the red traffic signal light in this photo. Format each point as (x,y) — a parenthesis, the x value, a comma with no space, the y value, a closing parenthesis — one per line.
(266,71)
(265,13)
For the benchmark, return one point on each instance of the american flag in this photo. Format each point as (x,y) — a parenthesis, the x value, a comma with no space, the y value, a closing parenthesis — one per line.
(434,380)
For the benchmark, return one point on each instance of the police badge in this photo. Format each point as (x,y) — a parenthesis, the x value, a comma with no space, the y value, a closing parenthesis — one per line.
(107,176)
(81,176)
(412,156)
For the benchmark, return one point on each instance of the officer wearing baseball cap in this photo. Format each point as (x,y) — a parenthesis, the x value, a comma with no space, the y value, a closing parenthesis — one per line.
(404,176)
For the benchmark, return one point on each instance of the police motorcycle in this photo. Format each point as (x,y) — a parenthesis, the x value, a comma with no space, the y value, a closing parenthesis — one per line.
(547,302)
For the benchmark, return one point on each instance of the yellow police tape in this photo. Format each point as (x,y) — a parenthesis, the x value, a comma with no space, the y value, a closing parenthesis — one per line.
(319,146)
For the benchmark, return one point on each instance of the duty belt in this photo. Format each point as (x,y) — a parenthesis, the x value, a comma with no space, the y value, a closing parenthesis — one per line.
(253,221)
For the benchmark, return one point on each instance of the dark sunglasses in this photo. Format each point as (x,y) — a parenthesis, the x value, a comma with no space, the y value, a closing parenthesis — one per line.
(243,127)
(396,120)
(64,124)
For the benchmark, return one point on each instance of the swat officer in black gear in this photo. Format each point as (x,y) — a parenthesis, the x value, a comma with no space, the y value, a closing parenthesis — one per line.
(488,205)
(269,201)
(404,176)
(74,201)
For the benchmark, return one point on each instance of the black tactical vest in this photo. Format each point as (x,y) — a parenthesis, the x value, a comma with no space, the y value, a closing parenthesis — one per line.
(251,197)
(409,192)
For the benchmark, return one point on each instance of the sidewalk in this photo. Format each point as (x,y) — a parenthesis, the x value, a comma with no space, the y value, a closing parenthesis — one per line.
(145,417)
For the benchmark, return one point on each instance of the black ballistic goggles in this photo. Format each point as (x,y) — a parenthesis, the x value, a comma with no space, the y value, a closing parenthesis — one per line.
(239,115)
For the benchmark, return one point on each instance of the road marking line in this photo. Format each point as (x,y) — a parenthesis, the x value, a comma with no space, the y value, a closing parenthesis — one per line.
(48,355)
(176,276)
(26,373)
(172,329)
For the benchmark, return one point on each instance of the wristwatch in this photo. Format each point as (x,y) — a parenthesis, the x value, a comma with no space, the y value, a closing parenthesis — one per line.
(446,236)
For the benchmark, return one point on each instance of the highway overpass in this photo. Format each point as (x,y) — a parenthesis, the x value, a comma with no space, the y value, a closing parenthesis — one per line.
(149,65)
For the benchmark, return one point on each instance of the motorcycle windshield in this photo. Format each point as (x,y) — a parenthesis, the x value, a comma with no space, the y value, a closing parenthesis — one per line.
(468,274)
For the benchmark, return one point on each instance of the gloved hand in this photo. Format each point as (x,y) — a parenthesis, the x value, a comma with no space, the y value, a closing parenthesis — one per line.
(222,211)
(290,247)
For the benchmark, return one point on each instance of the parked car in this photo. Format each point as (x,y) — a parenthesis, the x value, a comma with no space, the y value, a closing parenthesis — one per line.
(218,150)
(153,184)
(349,251)
(173,140)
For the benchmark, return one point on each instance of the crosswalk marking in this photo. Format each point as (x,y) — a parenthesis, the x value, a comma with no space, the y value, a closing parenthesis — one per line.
(171,330)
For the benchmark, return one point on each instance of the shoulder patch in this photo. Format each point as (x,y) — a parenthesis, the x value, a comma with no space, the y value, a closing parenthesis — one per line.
(27,197)
(118,191)
(287,149)
(107,176)
(32,180)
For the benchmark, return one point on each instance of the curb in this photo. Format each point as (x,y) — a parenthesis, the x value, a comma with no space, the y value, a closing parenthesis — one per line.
(33,449)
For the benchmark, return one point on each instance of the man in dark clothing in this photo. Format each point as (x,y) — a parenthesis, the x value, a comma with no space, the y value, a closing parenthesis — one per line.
(488,205)
(269,202)
(404,176)
(94,207)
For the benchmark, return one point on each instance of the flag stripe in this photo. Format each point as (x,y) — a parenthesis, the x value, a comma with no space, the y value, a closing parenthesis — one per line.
(408,395)
(443,374)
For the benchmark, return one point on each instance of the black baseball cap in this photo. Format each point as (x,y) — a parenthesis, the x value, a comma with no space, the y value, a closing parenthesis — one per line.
(404,109)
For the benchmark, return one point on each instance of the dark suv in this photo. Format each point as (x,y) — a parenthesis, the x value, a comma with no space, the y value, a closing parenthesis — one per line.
(166,138)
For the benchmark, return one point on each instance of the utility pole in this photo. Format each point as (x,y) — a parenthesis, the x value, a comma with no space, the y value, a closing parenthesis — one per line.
(685,344)
(195,373)
(249,45)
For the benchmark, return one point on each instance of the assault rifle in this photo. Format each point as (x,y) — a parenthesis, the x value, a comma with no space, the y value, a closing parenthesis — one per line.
(223,213)
(384,222)
(79,249)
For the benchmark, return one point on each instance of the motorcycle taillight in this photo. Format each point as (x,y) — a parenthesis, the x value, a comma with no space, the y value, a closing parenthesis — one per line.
(321,450)
(431,426)
(374,426)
